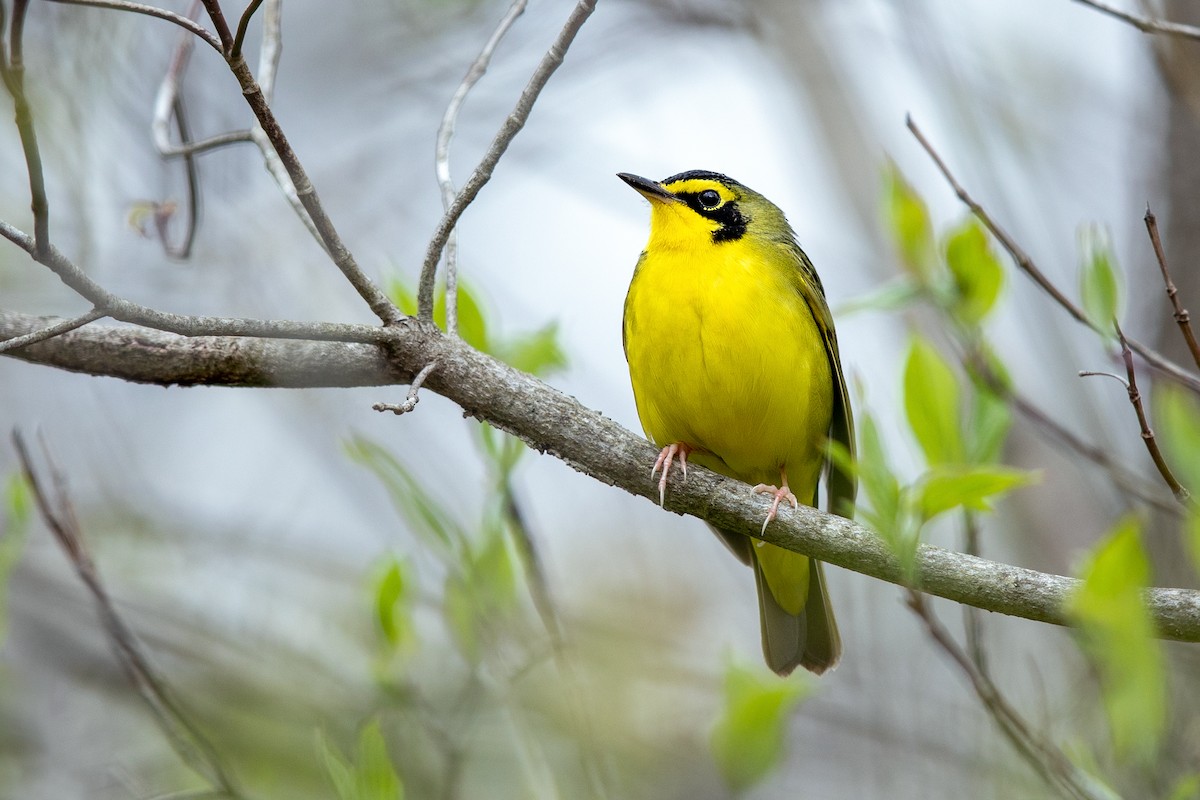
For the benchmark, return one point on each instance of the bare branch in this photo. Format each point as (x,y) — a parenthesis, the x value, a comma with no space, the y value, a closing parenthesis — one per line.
(152,11)
(1135,397)
(1144,24)
(12,71)
(49,332)
(243,23)
(1049,761)
(186,324)
(442,151)
(508,131)
(1181,314)
(410,401)
(1026,264)
(551,422)
(185,738)
(218,20)
(272,48)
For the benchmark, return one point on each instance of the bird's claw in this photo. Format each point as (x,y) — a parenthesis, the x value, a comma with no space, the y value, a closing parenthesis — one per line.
(780,494)
(669,453)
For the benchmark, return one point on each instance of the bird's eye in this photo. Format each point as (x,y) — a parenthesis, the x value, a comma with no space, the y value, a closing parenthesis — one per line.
(709,198)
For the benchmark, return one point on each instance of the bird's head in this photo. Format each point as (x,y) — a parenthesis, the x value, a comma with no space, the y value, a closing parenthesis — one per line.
(696,206)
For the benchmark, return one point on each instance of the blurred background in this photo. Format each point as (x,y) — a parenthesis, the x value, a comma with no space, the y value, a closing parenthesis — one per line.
(268,546)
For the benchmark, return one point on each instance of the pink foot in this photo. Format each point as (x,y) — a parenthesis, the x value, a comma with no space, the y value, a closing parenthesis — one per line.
(780,494)
(670,453)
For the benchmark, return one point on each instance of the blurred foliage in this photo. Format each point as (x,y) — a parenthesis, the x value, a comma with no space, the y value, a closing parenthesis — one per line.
(1118,636)
(1099,285)
(748,738)
(1178,415)
(959,418)
(370,775)
(17,512)
(960,425)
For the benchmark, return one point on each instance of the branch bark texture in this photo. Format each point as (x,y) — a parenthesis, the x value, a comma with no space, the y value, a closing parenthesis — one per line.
(552,422)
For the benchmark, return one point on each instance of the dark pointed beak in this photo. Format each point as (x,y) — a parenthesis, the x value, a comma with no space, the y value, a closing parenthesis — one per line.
(651,190)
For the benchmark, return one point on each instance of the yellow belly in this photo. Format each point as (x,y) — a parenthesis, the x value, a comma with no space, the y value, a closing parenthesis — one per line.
(724,356)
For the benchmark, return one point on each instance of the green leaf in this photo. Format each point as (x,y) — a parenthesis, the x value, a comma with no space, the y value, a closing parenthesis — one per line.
(1177,418)
(892,296)
(393,602)
(537,353)
(1098,278)
(18,510)
(459,611)
(1186,788)
(977,273)
(990,422)
(1118,636)
(747,741)
(472,325)
(401,294)
(427,518)
(909,222)
(371,776)
(969,487)
(931,403)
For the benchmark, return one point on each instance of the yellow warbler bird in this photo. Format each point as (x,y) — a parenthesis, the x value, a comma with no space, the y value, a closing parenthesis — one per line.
(734,364)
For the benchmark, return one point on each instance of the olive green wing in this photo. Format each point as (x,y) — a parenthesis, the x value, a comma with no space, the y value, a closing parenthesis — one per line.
(841,484)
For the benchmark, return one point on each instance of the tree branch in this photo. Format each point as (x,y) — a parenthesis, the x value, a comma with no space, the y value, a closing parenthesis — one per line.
(152,11)
(1144,24)
(1026,265)
(551,422)
(508,131)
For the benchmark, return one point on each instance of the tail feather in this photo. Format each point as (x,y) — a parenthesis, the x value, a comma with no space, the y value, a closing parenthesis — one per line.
(810,638)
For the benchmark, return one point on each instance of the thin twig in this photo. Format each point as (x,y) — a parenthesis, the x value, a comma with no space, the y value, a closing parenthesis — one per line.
(483,172)
(222,27)
(442,151)
(1122,477)
(1135,397)
(378,301)
(268,67)
(411,399)
(51,331)
(1047,759)
(244,23)
(59,515)
(153,11)
(12,70)
(1181,314)
(1144,24)
(1026,264)
(124,310)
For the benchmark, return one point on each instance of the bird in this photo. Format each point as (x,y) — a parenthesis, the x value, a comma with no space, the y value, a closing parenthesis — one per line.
(734,364)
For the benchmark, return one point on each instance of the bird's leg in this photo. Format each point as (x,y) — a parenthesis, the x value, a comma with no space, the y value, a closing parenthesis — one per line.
(782,493)
(670,453)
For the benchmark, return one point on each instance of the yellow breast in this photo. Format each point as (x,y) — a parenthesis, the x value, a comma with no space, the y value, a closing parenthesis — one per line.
(725,356)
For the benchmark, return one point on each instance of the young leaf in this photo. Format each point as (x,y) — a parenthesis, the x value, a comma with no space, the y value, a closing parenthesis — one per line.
(990,421)
(969,487)
(459,609)
(393,603)
(16,513)
(910,226)
(537,353)
(1098,277)
(472,324)
(747,741)
(977,273)
(428,519)
(1177,416)
(931,403)
(371,776)
(892,296)
(1118,636)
